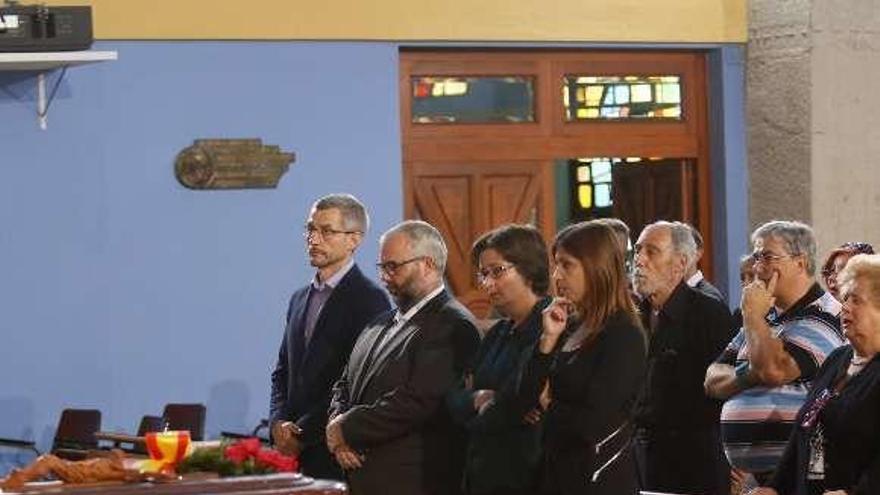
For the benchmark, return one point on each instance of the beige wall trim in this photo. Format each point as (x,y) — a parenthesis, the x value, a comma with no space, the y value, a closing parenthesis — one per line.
(647,21)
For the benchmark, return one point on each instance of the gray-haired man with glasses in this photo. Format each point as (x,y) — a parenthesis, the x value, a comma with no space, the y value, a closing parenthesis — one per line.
(323,320)
(789,326)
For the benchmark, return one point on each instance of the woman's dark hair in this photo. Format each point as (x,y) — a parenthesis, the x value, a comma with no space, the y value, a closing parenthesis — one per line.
(606,288)
(849,249)
(523,247)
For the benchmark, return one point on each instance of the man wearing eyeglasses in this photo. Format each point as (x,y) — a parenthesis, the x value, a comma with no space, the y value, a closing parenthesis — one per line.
(389,427)
(323,320)
(789,326)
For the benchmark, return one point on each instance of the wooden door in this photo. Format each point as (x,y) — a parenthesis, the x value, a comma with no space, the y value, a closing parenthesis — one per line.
(650,191)
(464,200)
(467,176)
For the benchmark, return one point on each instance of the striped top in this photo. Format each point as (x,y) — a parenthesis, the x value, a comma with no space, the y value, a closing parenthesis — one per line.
(756,423)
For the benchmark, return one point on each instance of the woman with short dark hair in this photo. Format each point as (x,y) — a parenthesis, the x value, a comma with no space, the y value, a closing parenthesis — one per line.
(503,450)
(588,367)
(837,260)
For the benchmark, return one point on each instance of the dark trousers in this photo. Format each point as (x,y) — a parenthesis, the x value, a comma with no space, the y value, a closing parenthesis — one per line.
(316,461)
(678,461)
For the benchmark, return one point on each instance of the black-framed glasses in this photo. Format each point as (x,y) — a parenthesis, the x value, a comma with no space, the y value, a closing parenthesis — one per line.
(768,257)
(390,267)
(492,273)
(313,232)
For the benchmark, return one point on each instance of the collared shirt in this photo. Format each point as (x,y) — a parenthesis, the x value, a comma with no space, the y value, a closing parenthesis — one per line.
(401,319)
(319,293)
(756,423)
(695,278)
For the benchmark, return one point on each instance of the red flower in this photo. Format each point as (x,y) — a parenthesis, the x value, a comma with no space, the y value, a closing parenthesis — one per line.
(243,450)
(277,461)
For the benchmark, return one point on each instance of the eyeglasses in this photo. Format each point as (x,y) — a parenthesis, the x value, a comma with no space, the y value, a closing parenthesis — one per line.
(313,232)
(768,257)
(390,267)
(492,273)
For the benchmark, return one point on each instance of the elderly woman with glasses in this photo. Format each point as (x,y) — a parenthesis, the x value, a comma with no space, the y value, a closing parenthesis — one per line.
(503,450)
(587,368)
(835,446)
(837,260)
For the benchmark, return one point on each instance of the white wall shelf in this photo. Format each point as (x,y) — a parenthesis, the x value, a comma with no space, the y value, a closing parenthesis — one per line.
(43,62)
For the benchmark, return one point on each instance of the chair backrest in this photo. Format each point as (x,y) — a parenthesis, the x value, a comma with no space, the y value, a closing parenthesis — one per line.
(76,432)
(186,417)
(150,423)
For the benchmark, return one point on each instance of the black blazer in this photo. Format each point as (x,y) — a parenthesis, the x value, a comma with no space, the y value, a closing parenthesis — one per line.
(593,390)
(393,401)
(503,451)
(304,376)
(692,330)
(710,290)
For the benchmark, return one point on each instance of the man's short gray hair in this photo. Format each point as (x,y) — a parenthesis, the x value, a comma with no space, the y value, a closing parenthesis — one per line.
(682,238)
(798,238)
(354,215)
(424,239)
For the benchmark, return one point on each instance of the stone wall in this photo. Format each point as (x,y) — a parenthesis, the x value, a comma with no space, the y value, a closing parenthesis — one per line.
(814,116)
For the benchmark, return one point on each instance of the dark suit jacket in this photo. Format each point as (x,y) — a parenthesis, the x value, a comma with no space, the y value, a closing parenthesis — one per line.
(678,422)
(304,376)
(393,401)
(710,290)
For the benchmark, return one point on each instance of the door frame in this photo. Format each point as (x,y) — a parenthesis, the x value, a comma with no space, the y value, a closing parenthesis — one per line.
(550,137)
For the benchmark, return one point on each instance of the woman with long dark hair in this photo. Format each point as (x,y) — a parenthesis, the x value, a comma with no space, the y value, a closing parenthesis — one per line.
(587,367)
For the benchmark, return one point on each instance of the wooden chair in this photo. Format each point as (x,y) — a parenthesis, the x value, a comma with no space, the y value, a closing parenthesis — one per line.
(186,417)
(75,435)
(148,423)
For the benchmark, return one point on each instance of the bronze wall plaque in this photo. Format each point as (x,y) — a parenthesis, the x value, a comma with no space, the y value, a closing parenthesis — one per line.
(231,164)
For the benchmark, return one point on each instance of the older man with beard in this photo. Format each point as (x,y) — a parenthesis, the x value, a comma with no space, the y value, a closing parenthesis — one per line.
(677,445)
(389,428)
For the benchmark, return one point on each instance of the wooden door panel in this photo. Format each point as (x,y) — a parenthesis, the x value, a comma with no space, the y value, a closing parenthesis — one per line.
(445,203)
(646,192)
(511,199)
(464,200)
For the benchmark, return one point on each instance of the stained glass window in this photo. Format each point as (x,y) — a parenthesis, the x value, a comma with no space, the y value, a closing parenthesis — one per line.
(621,97)
(474,100)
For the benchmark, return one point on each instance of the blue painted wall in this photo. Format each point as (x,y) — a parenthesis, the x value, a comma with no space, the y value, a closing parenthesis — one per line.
(729,166)
(120,289)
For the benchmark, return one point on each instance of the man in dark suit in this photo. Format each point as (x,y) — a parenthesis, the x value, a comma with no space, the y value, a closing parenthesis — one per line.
(323,320)
(677,445)
(693,276)
(389,427)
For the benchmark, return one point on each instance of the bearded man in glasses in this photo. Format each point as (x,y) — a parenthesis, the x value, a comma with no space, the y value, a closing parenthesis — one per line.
(789,326)
(389,427)
(323,320)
